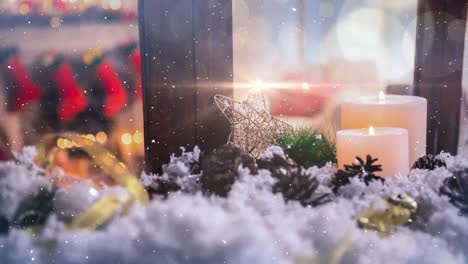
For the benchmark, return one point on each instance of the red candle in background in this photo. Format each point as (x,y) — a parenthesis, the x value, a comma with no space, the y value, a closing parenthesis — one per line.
(300,96)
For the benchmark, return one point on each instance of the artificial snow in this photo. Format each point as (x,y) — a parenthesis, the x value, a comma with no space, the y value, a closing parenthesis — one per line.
(251,225)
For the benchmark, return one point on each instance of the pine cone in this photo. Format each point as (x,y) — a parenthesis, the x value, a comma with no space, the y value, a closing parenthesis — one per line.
(363,170)
(428,162)
(34,210)
(163,187)
(219,169)
(293,182)
(301,187)
(4,225)
(456,188)
(278,166)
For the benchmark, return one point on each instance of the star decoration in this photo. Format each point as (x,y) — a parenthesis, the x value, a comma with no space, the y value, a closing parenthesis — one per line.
(252,127)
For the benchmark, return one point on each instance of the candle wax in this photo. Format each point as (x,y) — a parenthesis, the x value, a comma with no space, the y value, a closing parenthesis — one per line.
(389,145)
(409,112)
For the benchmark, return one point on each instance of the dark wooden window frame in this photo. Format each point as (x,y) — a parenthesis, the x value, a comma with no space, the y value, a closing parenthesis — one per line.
(187,58)
(186,48)
(440,36)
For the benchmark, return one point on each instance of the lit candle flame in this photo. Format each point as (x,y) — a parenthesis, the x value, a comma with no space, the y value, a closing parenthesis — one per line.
(371,131)
(381,96)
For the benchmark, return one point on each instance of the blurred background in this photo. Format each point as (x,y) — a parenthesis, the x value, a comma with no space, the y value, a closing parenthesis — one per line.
(74,65)
(314,53)
(71,65)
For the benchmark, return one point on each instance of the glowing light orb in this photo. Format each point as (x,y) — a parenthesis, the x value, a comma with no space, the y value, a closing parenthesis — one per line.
(101,137)
(126,138)
(138,137)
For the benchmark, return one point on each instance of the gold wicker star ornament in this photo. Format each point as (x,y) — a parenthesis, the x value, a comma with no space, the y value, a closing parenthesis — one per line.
(252,127)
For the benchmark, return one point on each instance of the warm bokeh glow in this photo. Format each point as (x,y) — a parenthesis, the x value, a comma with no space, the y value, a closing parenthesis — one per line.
(138,137)
(126,138)
(101,137)
(91,137)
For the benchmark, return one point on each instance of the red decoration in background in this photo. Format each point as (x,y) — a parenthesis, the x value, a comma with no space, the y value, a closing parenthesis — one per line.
(25,90)
(297,101)
(60,5)
(306,99)
(72,99)
(131,51)
(135,59)
(116,96)
(28,3)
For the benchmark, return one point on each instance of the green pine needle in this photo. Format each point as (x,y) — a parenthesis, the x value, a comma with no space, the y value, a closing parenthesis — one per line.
(307,147)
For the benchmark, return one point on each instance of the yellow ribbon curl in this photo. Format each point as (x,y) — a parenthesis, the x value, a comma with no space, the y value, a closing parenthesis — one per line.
(400,210)
(103,209)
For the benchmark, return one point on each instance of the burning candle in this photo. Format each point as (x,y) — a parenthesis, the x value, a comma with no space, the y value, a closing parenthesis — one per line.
(388,144)
(409,112)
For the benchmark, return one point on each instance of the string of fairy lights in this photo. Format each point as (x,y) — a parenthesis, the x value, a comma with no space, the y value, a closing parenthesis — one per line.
(58,7)
(101,137)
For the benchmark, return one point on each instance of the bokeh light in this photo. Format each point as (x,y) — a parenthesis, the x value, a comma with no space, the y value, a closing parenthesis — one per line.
(101,137)
(126,138)
(138,137)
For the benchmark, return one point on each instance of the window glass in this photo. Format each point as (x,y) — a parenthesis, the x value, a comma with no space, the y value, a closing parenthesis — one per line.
(309,54)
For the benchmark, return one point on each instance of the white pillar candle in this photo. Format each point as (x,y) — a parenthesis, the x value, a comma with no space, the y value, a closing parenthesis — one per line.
(389,145)
(409,112)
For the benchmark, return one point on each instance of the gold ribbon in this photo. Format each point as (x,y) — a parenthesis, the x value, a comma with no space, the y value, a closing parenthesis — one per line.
(110,165)
(102,210)
(97,214)
(400,210)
